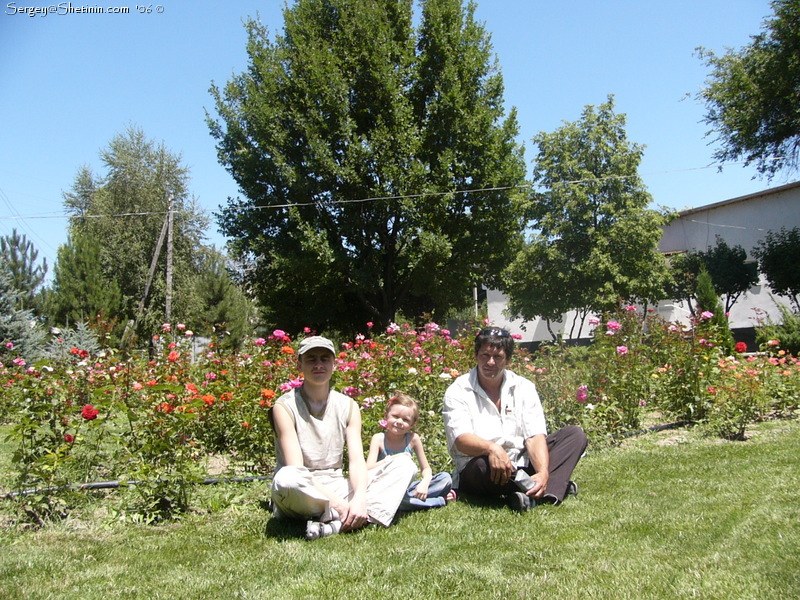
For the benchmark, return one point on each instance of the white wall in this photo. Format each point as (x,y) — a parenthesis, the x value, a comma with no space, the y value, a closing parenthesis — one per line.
(740,221)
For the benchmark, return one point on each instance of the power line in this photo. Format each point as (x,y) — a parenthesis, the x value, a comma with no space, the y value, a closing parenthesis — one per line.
(63,216)
(286,205)
(727,226)
(31,235)
(370,198)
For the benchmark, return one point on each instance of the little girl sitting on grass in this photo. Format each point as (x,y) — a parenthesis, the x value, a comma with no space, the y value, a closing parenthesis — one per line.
(400,417)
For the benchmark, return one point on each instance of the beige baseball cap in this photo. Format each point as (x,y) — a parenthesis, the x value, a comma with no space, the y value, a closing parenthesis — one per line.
(315,341)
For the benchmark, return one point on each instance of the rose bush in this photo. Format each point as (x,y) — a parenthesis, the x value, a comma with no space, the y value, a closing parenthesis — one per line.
(163,421)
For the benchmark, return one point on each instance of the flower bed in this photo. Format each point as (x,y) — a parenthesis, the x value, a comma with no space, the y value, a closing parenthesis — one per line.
(156,421)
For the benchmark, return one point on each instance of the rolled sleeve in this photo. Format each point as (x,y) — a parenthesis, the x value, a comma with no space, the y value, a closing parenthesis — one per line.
(532,414)
(456,417)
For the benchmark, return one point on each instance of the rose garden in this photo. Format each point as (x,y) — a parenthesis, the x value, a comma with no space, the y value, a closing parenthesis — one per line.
(154,427)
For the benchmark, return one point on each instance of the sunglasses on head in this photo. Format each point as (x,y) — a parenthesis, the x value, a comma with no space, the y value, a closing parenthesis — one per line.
(501,333)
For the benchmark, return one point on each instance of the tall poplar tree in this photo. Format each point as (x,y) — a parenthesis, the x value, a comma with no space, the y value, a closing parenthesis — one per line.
(378,168)
(124,211)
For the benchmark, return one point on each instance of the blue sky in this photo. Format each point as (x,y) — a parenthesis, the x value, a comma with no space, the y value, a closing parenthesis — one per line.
(70,82)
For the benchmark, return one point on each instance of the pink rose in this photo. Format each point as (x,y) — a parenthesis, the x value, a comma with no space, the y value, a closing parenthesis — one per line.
(582,394)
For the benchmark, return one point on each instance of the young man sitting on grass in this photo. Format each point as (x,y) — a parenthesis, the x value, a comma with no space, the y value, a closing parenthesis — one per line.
(313,423)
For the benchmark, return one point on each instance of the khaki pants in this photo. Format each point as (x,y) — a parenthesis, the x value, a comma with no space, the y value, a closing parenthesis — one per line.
(295,496)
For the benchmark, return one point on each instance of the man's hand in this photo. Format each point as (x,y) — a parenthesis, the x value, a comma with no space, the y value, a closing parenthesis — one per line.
(501,469)
(539,485)
(536,446)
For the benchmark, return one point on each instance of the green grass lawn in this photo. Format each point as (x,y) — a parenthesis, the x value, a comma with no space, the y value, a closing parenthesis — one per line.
(667,515)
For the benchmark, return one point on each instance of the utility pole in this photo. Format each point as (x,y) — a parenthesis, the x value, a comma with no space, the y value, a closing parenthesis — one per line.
(168,299)
(130,328)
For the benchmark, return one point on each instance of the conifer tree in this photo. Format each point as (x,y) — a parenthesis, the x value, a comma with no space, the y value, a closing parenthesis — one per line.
(708,301)
(81,292)
(227,312)
(27,275)
(18,330)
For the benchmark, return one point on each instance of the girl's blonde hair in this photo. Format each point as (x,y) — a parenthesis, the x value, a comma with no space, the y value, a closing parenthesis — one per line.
(403,400)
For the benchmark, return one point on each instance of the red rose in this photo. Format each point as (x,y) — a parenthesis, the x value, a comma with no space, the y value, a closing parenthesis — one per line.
(740,347)
(68,438)
(89,412)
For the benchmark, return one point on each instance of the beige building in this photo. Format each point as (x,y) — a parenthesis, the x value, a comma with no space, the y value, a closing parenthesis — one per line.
(742,221)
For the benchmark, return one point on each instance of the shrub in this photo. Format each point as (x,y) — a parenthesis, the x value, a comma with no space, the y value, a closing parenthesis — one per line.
(683,358)
(61,344)
(737,397)
(786,333)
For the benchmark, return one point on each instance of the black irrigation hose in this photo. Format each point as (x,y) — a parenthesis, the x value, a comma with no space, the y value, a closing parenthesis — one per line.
(674,425)
(105,485)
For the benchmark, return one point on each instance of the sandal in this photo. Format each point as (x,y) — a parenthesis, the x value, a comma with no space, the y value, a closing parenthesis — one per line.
(317,529)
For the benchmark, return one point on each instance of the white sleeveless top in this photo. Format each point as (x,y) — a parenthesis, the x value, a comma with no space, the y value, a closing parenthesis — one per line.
(321,437)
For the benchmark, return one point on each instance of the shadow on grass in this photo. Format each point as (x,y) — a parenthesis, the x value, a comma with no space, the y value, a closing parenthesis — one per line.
(292,529)
(281,529)
(482,501)
(285,529)
(463,499)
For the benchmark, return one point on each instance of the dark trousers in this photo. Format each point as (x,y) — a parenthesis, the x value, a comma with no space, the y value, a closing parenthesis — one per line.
(565,447)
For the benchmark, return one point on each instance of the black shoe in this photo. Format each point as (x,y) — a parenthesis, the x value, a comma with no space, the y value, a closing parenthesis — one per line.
(520,502)
(572,489)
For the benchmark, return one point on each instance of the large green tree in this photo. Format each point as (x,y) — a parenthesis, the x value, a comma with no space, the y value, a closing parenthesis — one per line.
(595,239)
(752,95)
(126,209)
(27,273)
(731,274)
(684,269)
(777,259)
(379,171)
